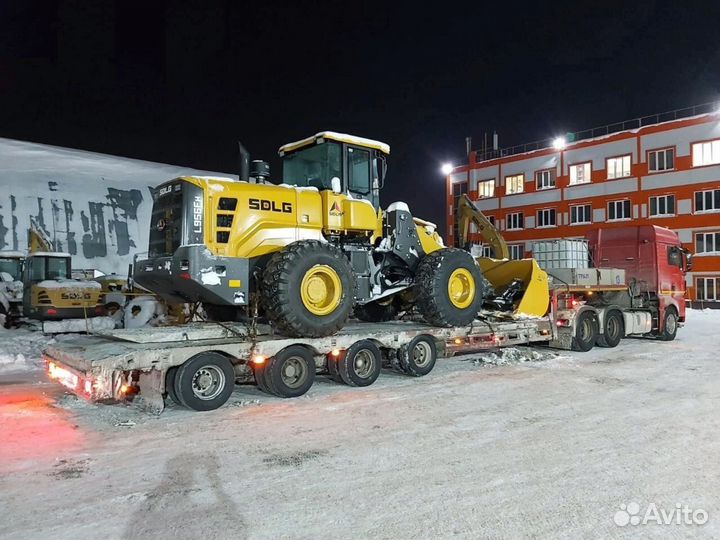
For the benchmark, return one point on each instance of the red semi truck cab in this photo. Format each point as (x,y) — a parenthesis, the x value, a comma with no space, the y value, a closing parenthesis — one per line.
(654,261)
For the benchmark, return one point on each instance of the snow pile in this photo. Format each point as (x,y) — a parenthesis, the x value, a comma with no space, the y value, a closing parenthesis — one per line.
(93,324)
(20,349)
(144,311)
(69,284)
(512,355)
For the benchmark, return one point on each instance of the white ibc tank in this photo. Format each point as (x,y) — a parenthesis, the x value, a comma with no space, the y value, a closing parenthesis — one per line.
(561,254)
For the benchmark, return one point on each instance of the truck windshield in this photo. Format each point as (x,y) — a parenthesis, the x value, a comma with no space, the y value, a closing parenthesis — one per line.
(314,166)
(11,266)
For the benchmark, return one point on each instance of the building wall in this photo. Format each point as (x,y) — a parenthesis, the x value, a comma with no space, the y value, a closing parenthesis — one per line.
(94,206)
(683,181)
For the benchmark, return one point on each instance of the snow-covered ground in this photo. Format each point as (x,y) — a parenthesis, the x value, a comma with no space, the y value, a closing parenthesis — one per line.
(528,443)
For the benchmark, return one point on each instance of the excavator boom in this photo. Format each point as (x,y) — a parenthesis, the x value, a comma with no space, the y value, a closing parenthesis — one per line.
(468,213)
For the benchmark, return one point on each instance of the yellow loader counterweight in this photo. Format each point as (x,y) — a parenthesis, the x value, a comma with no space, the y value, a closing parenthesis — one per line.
(309,250)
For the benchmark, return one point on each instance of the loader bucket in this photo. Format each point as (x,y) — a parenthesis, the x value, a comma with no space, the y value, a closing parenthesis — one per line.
(535,299)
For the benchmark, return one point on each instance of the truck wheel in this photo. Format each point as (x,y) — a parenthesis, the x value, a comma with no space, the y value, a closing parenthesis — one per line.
(450,288)
(586,331)
(361,364)
(332,367)
(170,385)
(377,311)
(614,330)
(418,357)
(291,372)
(307,289)
(205,381)
(670,325)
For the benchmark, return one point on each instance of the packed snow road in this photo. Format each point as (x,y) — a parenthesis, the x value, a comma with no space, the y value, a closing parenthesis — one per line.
(566,445)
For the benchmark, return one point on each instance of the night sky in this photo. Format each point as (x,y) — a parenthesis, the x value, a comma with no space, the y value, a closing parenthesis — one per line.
(181,82)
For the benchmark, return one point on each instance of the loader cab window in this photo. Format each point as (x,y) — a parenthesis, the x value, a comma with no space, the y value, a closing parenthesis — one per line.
(314,166)
(359,171)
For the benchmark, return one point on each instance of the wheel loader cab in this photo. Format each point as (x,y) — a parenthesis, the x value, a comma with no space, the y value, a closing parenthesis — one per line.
(358,164)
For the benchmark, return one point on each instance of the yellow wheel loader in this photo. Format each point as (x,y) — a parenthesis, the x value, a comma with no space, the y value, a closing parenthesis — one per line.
(309,250)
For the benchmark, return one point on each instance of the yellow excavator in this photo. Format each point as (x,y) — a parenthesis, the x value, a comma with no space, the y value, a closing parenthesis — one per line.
(308,252)
(49,292)
(519,286)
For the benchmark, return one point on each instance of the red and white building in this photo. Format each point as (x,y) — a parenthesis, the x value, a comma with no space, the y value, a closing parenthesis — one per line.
(661,173)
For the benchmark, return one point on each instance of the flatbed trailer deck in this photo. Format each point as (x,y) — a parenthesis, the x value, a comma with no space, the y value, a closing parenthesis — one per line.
(145,363)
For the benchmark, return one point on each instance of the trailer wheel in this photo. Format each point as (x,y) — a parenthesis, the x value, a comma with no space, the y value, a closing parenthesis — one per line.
(614,330)
(332,367)
(670,325)
(291,372)
(170,385)
(361,364)
(586,331)
(418,357)
(205,381)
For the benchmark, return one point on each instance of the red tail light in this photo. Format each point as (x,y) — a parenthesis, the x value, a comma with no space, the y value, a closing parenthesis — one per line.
(52,311)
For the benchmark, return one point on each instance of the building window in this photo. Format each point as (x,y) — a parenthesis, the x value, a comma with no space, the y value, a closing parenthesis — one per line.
(707,242)
(580,214)
(707,288)
(486,251)
(545,179)
(514,221)
(546,217)
(517,251)
(618,167)
(662,205)
(491,219)
(706,153)
(486,188)
(514,184)
(661,160)
(619,210)
(580,173)
(707,201)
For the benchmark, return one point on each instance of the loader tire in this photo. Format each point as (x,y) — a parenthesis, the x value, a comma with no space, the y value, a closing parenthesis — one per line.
(308,289)
(376,311)
(449,288)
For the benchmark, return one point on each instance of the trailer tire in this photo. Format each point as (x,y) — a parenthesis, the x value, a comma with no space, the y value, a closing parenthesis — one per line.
(418,357)
(361,364)
(614,330)
(586,331)
(307,289)
(205,382)
(170,385)
(332,367)
(450,288)
(670,325)
(291,372)
(259,374)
